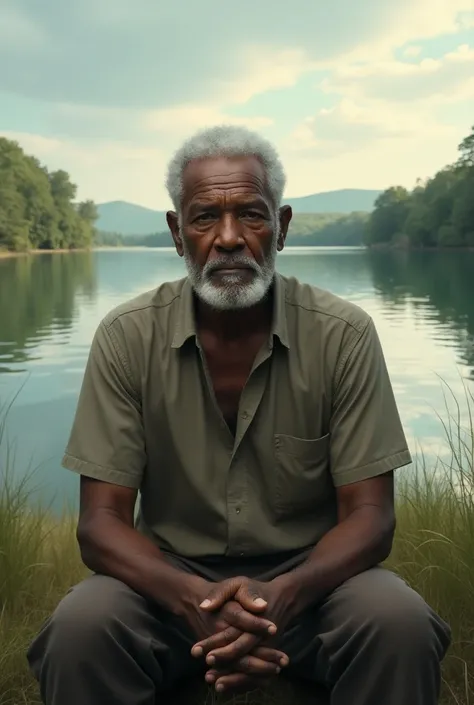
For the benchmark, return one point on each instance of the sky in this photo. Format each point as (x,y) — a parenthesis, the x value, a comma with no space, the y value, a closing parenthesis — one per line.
(353,95)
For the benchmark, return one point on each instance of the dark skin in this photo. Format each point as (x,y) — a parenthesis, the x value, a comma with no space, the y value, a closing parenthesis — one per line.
(110,545)
(227,209)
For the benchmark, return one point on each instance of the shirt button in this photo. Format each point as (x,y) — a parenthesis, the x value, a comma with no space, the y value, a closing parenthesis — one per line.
(242,554)
(245,415)
(237,511)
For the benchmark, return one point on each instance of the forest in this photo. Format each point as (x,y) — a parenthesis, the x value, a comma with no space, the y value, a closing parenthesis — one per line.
(37,207)
(437,213)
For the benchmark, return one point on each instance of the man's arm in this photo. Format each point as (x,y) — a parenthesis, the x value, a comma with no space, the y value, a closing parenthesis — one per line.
(367,444)
(111,545)
(362,539)
(107,448)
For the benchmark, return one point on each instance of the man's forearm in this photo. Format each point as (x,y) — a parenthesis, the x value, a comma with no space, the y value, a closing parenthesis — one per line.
(111,547)
(358,543)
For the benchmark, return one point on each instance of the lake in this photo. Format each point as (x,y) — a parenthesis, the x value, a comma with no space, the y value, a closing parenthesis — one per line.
(50,305)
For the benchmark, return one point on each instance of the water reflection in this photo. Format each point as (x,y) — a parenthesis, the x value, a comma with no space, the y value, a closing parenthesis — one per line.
(435,286)
(39,302)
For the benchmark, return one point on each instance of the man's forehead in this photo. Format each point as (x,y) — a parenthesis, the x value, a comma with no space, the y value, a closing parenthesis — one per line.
(243,172)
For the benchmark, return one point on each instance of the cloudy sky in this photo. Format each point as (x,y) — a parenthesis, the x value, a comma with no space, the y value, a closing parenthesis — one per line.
(354,94)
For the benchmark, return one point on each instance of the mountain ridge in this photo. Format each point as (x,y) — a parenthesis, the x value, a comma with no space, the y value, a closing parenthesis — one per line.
(131,219)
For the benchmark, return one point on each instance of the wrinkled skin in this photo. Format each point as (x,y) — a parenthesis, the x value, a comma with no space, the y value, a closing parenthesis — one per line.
(239,659)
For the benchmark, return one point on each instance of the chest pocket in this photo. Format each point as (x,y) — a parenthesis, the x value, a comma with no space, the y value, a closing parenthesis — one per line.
(302,477)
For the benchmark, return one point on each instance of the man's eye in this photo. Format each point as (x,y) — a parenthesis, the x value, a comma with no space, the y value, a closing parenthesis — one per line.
(251,214)
(205,216)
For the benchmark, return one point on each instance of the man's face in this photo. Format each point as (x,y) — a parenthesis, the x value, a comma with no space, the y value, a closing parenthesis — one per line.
(230,231)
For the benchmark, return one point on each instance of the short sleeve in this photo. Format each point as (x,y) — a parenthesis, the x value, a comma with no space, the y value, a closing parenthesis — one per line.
(107,436)
(367,437)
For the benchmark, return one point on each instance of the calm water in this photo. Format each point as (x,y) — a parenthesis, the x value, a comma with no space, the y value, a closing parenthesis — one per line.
(50,305)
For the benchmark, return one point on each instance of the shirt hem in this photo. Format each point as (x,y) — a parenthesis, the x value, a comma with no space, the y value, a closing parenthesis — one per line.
(379,467)
(98,472)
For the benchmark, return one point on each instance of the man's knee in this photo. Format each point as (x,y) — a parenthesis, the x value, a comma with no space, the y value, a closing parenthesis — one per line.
(85,618)
(387,611)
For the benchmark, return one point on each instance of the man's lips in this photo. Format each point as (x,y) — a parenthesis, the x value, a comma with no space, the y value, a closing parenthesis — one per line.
(232,268)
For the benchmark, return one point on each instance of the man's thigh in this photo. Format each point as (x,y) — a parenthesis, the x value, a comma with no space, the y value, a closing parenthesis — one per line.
(100,620)
(326,638)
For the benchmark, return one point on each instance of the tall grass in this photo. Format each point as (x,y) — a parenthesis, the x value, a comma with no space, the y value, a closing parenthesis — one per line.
(434,545)
(39,561)
(433,551)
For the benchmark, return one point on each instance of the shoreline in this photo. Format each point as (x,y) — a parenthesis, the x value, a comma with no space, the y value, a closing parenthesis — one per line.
(8,254)
(395,248)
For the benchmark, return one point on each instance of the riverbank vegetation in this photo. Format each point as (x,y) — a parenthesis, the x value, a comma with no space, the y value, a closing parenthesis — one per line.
(433,551)
(436,213)
(38,208)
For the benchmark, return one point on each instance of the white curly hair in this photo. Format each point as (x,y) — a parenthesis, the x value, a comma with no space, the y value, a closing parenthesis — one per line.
(226,141)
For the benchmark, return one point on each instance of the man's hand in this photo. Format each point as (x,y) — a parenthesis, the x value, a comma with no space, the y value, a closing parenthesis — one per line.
(230,618)
(232,659)
(236,623)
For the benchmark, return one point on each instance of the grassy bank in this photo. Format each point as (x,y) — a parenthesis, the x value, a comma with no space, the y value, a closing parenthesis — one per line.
(434,552)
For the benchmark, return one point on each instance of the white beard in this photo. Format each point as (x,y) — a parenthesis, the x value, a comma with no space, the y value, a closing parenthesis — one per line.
(234,292)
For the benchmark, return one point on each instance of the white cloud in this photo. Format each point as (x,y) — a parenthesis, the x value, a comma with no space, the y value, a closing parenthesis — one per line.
(351,126)
(264,71)
(411,22)
(182,119)
(412,51)
(444,79)
(466,19)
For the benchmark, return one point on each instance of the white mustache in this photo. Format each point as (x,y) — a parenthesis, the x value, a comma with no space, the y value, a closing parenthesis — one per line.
(230,262)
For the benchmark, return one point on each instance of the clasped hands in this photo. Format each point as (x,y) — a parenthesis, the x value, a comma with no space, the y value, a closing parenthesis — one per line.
(242,618)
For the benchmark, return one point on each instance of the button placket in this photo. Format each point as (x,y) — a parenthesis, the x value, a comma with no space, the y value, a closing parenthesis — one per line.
(236,506)
(237,495)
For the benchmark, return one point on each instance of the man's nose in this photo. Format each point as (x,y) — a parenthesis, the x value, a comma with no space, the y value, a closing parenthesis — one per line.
(229,234)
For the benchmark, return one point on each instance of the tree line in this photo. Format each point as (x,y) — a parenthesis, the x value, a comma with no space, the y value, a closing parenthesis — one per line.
(38,211)
(37,206)
(306,229)
(436,213)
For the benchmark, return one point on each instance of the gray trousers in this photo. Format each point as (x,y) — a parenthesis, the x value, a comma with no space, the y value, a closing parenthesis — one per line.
(373,641)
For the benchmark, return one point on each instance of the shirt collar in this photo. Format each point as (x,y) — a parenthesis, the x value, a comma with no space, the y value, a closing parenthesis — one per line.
(186,323)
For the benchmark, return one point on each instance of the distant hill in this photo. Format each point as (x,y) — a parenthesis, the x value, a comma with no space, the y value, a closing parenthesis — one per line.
(130,219)
(341,201)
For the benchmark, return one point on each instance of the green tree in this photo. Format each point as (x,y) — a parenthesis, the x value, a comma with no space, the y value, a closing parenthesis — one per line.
(37,208)
(463,211)
(438,213)
(466,148)
(389,215)
(103,238)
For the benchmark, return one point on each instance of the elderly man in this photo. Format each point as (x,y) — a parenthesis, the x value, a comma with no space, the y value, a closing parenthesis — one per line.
(255,415)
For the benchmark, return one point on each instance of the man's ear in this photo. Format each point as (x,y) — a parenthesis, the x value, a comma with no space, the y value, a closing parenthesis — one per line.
(285,214)
(173,224)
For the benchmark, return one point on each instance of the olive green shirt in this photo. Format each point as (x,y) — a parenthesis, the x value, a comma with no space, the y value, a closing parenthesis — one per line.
(317,412)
